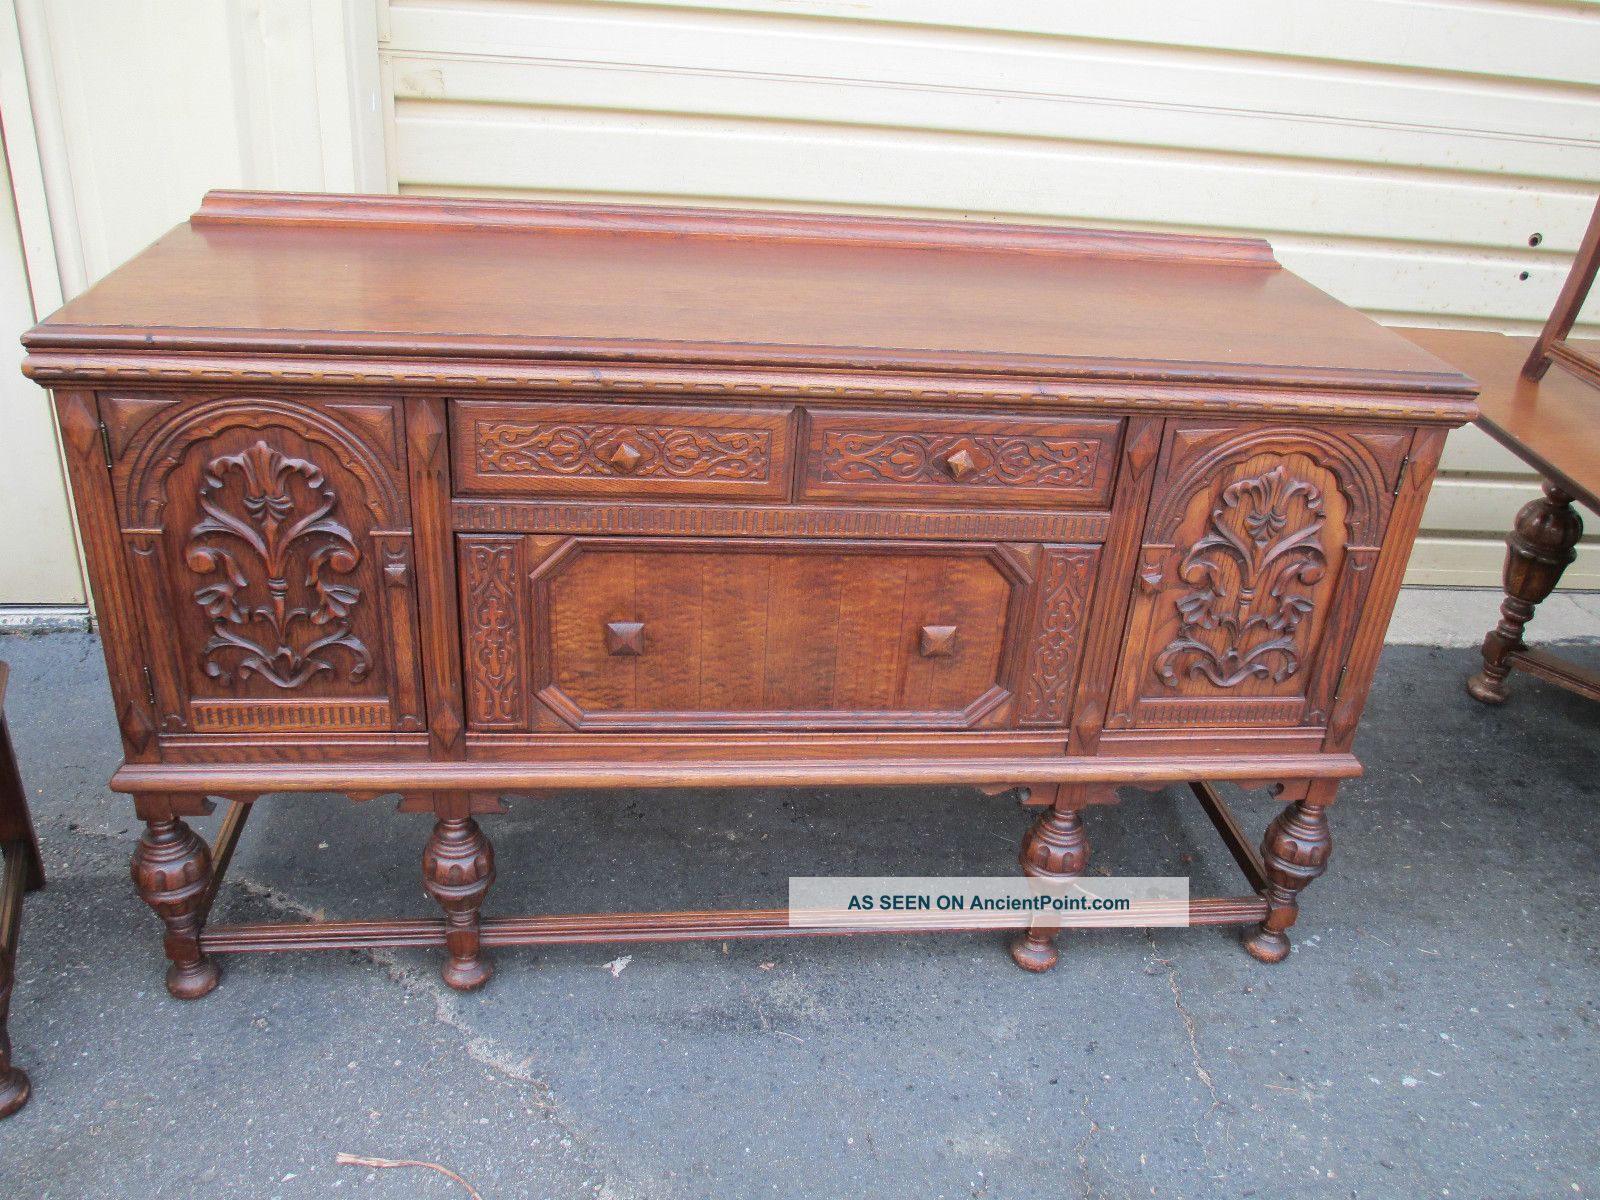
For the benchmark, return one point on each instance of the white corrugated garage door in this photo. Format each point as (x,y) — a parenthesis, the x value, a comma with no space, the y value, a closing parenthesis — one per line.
(1401,155)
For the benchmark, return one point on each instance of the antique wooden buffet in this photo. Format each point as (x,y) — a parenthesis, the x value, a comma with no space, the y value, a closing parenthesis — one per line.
(461,499)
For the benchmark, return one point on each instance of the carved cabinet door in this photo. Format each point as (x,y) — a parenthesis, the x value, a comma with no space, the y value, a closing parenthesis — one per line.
(268,542)
(1258,552)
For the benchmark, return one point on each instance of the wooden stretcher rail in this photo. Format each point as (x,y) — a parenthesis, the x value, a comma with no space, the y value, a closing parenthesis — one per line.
(488,776)
(588,928)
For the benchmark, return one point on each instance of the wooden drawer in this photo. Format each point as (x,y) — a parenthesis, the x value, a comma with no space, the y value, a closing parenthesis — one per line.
(915,458)
(684,634)
(511,448)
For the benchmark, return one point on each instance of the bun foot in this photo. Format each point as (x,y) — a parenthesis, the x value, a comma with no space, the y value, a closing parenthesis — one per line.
(1267,945)
(1033,952)
(469,975)
(1486,690)
(14,1091)
(190,981)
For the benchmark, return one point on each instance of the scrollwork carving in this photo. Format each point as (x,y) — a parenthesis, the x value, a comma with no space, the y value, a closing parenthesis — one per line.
(1251,578)
(638,451)
(494,684)
(1057,642)
(283,539)
(1007,460)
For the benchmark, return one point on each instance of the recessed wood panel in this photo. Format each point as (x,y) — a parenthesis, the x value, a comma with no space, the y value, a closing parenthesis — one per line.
(509,448)
(742,634)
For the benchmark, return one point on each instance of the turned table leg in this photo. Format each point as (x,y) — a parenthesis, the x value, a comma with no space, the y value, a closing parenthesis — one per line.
(1056,847)
(14,1086)
(1541,545)
(172,871)
(457,869)
(1294,852)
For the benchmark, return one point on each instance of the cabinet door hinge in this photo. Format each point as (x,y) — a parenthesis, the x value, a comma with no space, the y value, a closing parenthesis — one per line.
(105,442)
(1338,687)
(1400,475)
(149,687)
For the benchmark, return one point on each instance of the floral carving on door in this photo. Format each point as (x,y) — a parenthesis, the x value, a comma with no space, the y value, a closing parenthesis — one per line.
(1252,576)
(281,600)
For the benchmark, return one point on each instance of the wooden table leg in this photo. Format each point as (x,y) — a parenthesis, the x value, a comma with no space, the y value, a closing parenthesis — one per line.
(172,871)
(457,871)
(1295,851)
(1541,545)
(1056,847)
(14,1085)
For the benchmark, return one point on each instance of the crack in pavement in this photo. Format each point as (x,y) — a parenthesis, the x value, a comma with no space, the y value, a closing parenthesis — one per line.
(481,1049)
(1082,1151)
(1189,1026)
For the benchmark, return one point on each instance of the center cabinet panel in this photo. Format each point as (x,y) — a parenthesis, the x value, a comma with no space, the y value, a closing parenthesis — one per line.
(691,633)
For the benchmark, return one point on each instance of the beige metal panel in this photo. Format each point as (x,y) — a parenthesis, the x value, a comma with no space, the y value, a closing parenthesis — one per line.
(1532,40)
(119,116)
(1476,562)
(557,148)
(1401,154)
(38,552)
(552,54)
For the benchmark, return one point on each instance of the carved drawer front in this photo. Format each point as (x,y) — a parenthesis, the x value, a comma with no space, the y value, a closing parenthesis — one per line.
(916,458)
(1259,550)
(603,633)
(268,543)
(524,449)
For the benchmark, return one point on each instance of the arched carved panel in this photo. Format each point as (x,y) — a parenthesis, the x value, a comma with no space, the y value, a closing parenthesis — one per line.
(270,542)
(149,442)
(1255,548)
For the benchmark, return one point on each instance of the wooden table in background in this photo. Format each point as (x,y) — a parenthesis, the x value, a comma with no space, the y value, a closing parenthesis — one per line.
(1553,425)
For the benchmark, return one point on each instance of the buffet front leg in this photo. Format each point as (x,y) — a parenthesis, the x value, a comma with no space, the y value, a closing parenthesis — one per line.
(171,869)
(457,871)
(1055,848)
(1295,851)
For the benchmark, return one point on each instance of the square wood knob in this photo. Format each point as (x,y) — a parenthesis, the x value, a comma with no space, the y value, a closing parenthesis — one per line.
(625,638)
(624,457)
(938,641)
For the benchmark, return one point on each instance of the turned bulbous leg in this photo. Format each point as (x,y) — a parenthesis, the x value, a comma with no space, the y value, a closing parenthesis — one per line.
(172,871)
(1294,852)
(457,869)
(1541,545)
(14,1085)
(1056,847)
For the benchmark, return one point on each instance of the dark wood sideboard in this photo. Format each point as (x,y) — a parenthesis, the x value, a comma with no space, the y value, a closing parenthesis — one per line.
(461,499)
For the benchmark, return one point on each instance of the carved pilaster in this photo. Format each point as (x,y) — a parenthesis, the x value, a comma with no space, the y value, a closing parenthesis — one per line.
(1055,848)
(457,871)
(172,871)
(1541,545)
(1295,851)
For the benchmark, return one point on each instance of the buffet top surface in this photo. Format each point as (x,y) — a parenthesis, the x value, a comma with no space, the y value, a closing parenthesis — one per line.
(399,276)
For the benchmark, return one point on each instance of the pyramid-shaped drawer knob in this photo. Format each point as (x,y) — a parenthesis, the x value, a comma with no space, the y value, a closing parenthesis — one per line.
(625,638)
(938,641)
(959,464)
(624,457)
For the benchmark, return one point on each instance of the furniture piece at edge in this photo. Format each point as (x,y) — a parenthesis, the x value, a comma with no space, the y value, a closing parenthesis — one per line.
(461,499)
(24,872)
(1551,421)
